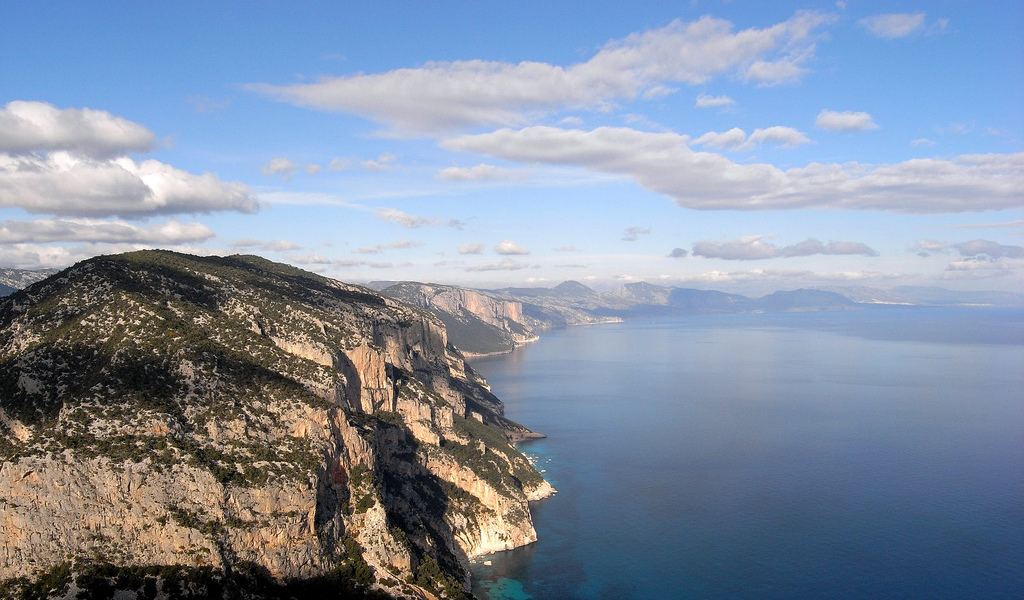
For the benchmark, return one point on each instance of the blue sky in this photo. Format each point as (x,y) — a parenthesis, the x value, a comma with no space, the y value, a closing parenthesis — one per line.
(743,146)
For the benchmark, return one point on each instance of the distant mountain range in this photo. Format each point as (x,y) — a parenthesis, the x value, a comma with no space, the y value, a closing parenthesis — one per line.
(495,321)
(481,322)
(12,280)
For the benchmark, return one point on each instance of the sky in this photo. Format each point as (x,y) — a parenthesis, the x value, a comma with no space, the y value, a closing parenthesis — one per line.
(744,146)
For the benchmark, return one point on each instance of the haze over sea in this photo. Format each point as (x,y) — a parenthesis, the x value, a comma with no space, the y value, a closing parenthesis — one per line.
(863,454)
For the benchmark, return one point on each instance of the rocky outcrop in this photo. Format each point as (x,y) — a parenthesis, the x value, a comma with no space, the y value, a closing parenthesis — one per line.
(157,408)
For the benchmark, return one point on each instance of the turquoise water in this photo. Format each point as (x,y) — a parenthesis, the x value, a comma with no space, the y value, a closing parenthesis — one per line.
(873,454)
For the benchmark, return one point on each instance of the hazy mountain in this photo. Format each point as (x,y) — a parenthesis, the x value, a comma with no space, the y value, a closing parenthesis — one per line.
(233,417)
(802,300)
(16,279)
(942,296)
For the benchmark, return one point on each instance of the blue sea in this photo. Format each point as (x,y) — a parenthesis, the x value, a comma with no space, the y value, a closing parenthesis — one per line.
(843,455)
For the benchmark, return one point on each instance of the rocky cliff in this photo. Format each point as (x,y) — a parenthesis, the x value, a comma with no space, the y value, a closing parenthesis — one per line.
(158,408)
(483,323)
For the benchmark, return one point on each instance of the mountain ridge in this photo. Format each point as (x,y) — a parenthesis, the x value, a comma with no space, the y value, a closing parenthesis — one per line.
(219,412)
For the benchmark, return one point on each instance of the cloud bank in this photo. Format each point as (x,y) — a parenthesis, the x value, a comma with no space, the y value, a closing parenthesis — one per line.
(448,96)
(754,248)
(665,163)
(73,162)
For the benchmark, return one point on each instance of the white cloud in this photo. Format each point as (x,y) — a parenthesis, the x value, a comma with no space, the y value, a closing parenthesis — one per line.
(981,250)
(706,101)
(44,256)
(65,184)
(922,142)
(472,248)
(988,249)
(445,96)
(664,163)
(382,163)
(1007,224)
(754,248)
(893,25)
(313,169)
(337,164)
(566,249)
(831,120)
(481,172)
(508,247)
(279,165)
(27,126)
(786,137)
(732,139)
(632,234)
(269,246)
(95,230)
(505,265)
(928,247)
(404,219)
(378,248)
(736,138)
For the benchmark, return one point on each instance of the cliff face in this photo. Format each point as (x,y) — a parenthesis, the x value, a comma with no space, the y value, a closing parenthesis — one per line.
(159,408)
(482,323)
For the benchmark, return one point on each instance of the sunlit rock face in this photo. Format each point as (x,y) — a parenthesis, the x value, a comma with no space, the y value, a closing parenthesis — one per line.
(159,408)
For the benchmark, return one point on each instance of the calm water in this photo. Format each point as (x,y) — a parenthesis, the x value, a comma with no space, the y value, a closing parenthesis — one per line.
(876,454)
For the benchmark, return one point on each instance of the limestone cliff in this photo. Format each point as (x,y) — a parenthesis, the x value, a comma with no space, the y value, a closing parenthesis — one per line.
(158,408)
(481,322)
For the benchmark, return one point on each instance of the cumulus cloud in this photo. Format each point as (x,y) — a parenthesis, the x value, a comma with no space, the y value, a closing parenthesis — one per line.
(737,139)
(43,256)
(973,249)
(27,126)
(786,137)
(893,25)
(831,120)
(632,234)
(71,162)
(481,172)
(378,248)
(472,248)
(505,265)
(734,138)
(929,247)
(705,101)
(404,219)
(382,163)
(318,262)
(266,245)
(99,231)
(755,248)
(664,163)
(64,184)
(678,253)
(508,247)
(279,165)
(445,96)
(988,249)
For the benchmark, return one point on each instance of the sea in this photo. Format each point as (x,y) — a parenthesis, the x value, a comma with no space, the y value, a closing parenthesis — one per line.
(872,454)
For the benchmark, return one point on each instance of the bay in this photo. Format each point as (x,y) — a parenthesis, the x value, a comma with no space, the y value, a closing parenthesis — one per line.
(862,454)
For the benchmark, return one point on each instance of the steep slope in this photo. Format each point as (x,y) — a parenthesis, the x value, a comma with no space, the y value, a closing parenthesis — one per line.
(477,322)
(159,408)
